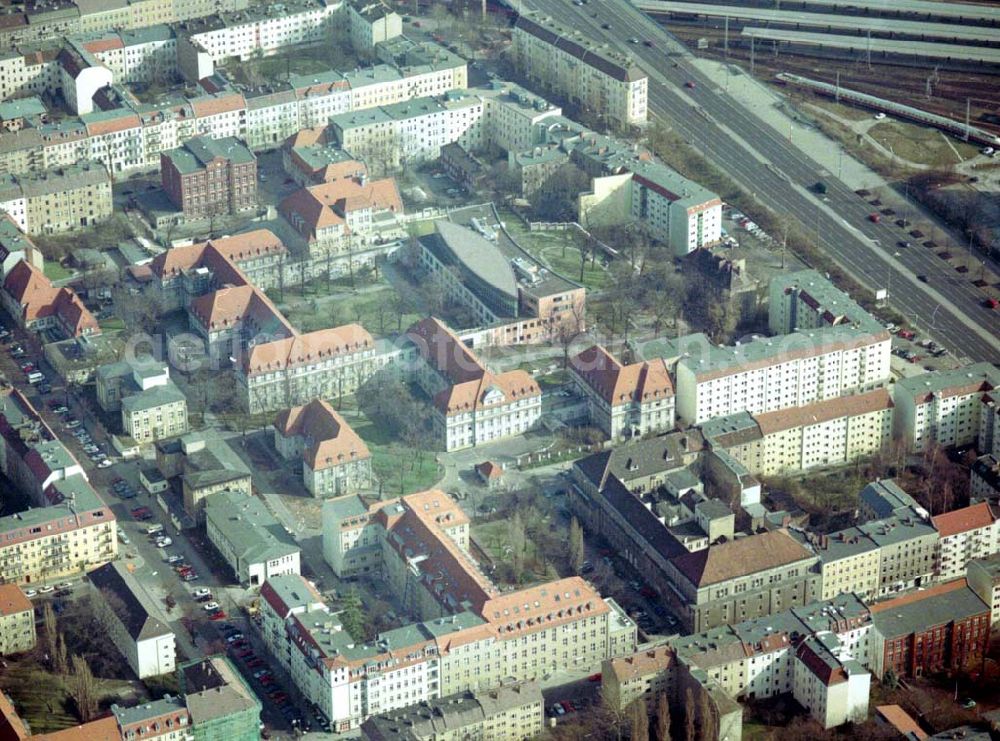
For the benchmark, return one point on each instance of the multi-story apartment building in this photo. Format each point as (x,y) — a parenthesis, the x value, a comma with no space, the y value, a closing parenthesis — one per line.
(256,30)
(352,536)
(943,407)
(824,433)
(62,199)
(608,83)
(221,703)
(70,529)
(806,300)
(140,630)
(644,675)
(323,364)
(254,544)
(205,466)
(335,460)
(481,639)
(309,160)
(157,412)
(984,480)
(16,246)
(471,404)
(35,304)
(502,713)
(166,719)
(210,177)
(17,621)
(850,563)
(345,212)
(372,22)
(983,577)
(775,373)
(117,381)
(817,653)
(410,132)
(943,628)
(514,117)
(965,534)
(624,400)
(742,579)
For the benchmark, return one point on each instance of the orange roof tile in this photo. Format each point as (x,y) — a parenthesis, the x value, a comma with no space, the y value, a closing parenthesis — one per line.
(111,125)
(963,520)
(328,204)
(902,721)
(330,440)
(476,394)
(213,106)
(643,663)
(620,384)
(107,43)
(823,411)
(13,600)
(300,349)
(103,729)
(444,351)
(38,298)
(909,599)
(543,606)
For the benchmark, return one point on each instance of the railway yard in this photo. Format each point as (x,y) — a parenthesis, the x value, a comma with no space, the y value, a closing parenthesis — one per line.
(940,86)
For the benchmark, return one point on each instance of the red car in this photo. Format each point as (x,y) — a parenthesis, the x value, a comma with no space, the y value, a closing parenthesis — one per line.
(906,334)
(991,303)
(875,218)
(690,84)
(568,706)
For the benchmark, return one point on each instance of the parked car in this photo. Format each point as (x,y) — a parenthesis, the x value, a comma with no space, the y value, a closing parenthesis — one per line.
(220,615)
(106,463)
(191,576)
(211,606)
(202,592)
(30,593)
(174,558)
(47,589)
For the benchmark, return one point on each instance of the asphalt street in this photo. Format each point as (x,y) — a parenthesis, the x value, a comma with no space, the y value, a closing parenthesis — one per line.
(765,163)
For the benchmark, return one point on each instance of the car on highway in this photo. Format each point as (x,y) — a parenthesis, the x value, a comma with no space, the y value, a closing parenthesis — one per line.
(875,217)
(991,303)
(903,243)
(606,26)
(922,278)
(690,84)
(633,40)
(648,43)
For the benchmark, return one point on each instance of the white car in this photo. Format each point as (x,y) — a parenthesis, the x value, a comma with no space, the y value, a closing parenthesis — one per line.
(47,589)
(988,150)
(210,606)
(202,592)
(107,462)
(879,116)
(29,593)
(164,543)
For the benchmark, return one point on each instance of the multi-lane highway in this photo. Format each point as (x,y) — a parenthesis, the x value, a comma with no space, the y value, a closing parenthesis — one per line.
(780,175)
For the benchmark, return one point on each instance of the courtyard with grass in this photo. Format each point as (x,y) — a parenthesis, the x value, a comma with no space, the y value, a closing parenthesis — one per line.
(560,252)
(400,469)
(921,144)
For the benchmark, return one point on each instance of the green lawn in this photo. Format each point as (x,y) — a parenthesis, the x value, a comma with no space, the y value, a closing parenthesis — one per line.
(422,228)
(559,251)
(400,468)
(373,309)
(55,271)
(112,324)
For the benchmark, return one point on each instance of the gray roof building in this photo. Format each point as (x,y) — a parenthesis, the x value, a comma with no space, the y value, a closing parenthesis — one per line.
(132,605)
(247,535)
(157,396)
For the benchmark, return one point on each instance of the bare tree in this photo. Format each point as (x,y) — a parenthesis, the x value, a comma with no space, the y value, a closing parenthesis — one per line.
(707,716)
(51,625)
(82,687)
(662,730)
(62,656)
(577,553)
(690,717)
(639,721)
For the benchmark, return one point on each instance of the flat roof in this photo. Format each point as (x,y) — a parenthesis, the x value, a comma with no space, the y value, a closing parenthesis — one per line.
(894,26)
(927,8)
(989,55)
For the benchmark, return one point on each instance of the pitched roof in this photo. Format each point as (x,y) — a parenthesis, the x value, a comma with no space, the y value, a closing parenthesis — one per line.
(902,721)
(643,663)
(38,298)
(328,204)
(542,606)
(210,105)
(938,605)
(488,390)
(330,441)
(719,563)
(444,351)
(214,252)
(620,384)
(13,600)
(300,349)
(823,411)
(103,729)
(133,606)
(973,517)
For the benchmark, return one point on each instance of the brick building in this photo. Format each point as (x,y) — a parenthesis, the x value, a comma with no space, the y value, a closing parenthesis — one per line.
(939,629)
(210,177)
